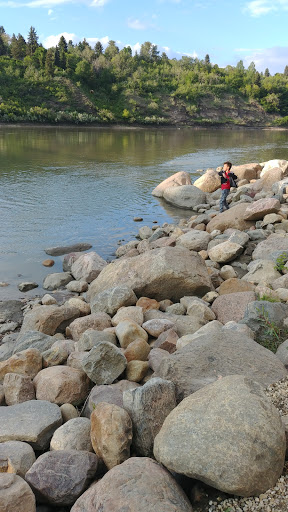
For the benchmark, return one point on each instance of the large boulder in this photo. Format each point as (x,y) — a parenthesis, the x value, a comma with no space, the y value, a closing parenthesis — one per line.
(262,315)
(75,434)
(148,407)
(260,208)
(109,393)
(16,495)
(270,177)
(28,363)
(168,273)
(209,181)
(17,456)
(49,319)
(155,489)
(11,311)
(112,299)
(225,353)
(97,321)
(246,171)
(87,267)
(61,385)
(261,272)
(194,240)
(229,420)
(232,218)
(34,422)
(60,477)
(271,248)
(232,306)
(271,164)
(186,196)
(176,180)
(111,433)
(18,388)
(224,252)
(33,339)
(104,363)
(57,280)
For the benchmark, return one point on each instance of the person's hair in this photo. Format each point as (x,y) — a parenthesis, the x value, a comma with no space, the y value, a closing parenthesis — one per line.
(229,164)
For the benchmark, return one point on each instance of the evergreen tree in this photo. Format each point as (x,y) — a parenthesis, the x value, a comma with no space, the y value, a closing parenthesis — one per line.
(3,48)
(267,72)
(207,60)
(32,42)
(62,47)
(2,30)
(286,71)
(111,50)
(50,62)
(18,47)
(257,80)
(98,49)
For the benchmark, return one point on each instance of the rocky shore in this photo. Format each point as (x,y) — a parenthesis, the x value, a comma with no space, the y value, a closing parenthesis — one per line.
(158,381)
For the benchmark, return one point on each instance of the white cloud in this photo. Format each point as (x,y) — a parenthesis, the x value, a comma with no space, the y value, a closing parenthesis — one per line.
(54,40)
(258,8)
(50,11)
(98,3)
(136,24)
(275,59)
(50,3)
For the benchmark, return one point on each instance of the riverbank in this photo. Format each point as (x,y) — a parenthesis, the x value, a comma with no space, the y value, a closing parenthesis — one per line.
(185,332)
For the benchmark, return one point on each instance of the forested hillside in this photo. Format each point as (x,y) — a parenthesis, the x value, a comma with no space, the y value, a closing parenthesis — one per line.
(79,84)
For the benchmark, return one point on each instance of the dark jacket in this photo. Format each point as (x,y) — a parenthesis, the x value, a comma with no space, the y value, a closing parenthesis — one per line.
(224,180)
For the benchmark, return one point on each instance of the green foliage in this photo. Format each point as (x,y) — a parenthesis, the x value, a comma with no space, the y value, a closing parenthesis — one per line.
(281,261)
(75,83)
(268,298)
(273,335)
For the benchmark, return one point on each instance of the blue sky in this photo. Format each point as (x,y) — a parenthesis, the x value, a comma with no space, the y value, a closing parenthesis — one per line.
(227,30)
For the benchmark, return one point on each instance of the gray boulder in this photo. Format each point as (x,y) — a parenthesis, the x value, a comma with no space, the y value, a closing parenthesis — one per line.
(229,420)
(7,346)
(210,357)
(73,435)
(34,422)
(60,250)
(282,353)
(49,319)
(60,477)
(185,196)
(104,363)
(260,314)
(57,280)
(148,407)
(194,240)
(112,299)
(33,339)
(91,337)
(11,311)
(15,495)
(271,248)
(87,267)
(168,273)
(156,490)
(18,457)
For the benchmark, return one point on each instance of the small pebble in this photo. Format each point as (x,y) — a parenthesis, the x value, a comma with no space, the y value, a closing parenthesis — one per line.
(138,219)
(48,263)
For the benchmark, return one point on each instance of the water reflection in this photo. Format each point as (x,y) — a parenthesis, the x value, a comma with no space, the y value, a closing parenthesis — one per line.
(63,185)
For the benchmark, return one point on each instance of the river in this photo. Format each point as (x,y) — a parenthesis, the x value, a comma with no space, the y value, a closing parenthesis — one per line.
(61,185)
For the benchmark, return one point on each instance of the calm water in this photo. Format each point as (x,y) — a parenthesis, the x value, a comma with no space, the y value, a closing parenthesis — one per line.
(64,185)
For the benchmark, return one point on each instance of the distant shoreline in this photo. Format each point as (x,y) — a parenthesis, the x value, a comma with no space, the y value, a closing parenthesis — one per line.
(141,127)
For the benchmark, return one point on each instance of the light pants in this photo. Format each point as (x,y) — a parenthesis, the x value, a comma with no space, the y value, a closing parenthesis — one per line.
(223,202)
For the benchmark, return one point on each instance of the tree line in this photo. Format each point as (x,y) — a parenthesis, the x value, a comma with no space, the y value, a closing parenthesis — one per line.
(78,83)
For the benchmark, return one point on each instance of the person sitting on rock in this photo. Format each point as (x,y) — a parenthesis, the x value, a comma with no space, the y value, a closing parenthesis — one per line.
(226,174)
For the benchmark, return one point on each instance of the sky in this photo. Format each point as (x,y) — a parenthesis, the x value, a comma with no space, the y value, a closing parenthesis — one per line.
(227,30)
